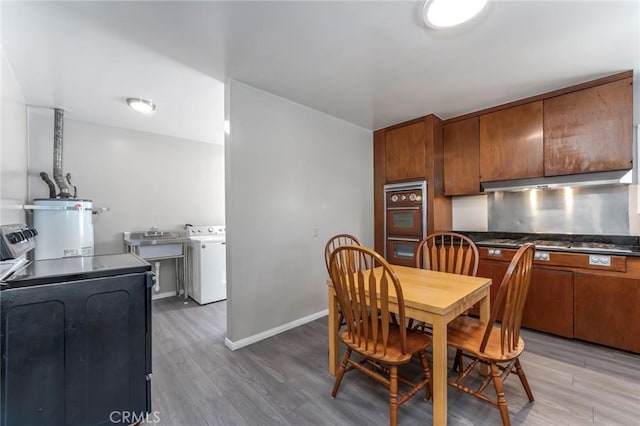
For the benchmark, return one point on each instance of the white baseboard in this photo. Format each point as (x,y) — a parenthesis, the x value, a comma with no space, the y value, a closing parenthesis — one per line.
(272,332)
(164,295)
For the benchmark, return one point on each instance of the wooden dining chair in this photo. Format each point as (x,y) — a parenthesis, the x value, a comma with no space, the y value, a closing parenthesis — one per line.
(497,345)
(334,242)
(383,346)
(446,252)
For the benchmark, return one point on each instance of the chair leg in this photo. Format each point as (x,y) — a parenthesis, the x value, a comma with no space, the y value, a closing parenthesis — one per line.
(427,375)
(502,403)
(457,363)
(341,372)
(523,379)
(393,395)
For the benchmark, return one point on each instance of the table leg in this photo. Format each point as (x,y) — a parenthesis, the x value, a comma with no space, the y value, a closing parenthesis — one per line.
(485,309)
(333,332)
(485,313)
(439,371)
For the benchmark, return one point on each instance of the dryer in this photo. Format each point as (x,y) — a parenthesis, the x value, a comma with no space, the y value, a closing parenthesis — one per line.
(207,263)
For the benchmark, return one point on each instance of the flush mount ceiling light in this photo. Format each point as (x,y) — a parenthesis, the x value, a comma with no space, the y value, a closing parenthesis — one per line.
(141,105)
(448,13)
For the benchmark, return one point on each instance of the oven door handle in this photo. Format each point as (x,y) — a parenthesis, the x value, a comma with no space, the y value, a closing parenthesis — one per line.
(404,208)
(413,240)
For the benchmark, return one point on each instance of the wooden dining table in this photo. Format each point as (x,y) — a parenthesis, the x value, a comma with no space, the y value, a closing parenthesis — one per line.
(435,298)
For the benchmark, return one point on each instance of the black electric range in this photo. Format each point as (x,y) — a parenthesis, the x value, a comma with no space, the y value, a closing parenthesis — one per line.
(51,271)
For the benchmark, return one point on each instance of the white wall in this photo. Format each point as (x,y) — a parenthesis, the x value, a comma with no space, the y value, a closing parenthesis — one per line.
(290,171)
(13,147)
(144,179)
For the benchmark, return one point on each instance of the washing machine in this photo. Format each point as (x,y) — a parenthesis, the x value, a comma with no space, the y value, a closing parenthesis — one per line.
(207,263)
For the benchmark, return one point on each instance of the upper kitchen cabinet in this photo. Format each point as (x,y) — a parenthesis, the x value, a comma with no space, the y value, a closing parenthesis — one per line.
(411,151)
(462,157)
(579,129)
(511,144)
(404,152)
(589,130)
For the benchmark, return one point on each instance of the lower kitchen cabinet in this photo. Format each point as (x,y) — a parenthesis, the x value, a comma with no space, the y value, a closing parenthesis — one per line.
(495,271)
(549,305)
(606,310)
(596,307)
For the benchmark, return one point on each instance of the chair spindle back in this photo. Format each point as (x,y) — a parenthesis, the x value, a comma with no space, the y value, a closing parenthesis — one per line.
(336,241)
(356,287)
(448,252)
(512,297)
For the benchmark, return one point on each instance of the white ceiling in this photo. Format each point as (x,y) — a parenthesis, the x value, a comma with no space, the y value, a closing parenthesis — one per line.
(372,63)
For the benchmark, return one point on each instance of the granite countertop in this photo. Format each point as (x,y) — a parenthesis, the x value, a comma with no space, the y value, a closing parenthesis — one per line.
(624,245)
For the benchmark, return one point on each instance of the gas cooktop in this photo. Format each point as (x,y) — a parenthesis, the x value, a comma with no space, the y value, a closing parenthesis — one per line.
(562,243)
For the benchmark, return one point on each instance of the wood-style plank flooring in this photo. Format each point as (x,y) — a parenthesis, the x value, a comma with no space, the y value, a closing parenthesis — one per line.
(284,381)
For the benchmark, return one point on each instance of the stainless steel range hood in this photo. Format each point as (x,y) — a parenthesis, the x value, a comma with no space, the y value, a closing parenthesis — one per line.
(586,179)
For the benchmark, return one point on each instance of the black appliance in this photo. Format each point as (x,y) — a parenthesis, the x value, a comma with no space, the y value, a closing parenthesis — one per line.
(76,341)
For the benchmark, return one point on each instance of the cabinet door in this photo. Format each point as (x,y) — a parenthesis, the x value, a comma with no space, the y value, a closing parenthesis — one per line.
(549,305)
(589,130)
(405,152)
(33,360)
(511,145)
(462,157)
(606,310)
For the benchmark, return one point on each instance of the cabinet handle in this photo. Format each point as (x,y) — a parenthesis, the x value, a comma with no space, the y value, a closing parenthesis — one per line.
(413,240)
(404,208)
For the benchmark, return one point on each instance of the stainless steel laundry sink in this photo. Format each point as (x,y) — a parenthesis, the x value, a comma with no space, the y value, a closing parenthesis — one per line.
(155,244)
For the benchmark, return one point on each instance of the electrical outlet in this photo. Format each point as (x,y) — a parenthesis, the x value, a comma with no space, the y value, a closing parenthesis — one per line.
(315,232)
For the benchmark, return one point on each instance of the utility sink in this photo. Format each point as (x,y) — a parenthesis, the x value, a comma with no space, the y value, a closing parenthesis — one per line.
(155,244)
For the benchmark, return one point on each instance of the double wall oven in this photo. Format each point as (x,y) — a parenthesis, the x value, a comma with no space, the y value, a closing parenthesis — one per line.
(405,220)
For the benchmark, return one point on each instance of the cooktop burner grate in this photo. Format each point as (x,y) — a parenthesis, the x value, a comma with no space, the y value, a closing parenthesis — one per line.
(600,247)
(550,244)
(500,241)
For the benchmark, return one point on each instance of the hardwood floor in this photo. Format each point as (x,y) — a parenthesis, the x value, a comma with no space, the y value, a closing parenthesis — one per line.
(284,381)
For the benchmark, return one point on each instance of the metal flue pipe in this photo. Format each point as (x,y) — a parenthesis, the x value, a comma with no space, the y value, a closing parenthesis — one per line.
(51,185)
(57,153)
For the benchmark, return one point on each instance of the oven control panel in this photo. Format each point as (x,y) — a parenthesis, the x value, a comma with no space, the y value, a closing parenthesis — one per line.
(599,260)
(494,252)
(404,197)
(16,240)
(542,255)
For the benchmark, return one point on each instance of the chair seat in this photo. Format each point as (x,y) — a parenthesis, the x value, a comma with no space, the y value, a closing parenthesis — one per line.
(466,333)
(415,342)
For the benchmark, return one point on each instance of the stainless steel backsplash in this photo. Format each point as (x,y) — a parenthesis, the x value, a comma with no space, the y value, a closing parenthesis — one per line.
(579,210)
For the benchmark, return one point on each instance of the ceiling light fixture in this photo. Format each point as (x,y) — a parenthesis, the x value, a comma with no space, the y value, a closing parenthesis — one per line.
(141,105)
(448,13)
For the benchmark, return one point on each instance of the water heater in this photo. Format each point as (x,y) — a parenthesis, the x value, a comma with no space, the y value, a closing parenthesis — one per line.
(65,227)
